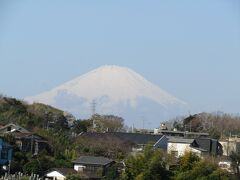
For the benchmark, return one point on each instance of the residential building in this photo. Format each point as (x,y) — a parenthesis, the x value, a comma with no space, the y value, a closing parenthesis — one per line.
(30,142)
(178,146)
(177,133)
(135,141)
(92,166)
(10,128)
(201,146)
(141,140)
(27,141)
(5,153)
(207,146)
(230,145)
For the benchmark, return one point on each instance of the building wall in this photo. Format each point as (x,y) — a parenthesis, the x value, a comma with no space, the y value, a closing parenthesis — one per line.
(79,167)
(178,149)
(228,147)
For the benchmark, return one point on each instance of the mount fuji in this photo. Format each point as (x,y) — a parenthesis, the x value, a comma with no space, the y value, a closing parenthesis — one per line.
(118,91)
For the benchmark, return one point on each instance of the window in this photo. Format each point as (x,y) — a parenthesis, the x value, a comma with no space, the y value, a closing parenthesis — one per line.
(174,153)
(9,128)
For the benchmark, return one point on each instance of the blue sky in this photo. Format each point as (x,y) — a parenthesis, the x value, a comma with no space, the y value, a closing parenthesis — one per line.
(189,48)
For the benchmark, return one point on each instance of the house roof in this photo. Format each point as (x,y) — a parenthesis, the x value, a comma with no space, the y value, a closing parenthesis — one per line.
(63,171)
(16,127)
(206,144)
(97,160)
(138,138)
(180,140)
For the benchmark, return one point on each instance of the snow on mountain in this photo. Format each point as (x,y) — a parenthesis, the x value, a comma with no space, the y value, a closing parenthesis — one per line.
(116,90)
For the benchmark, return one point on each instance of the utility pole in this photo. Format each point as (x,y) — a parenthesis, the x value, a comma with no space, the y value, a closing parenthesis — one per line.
(93,108)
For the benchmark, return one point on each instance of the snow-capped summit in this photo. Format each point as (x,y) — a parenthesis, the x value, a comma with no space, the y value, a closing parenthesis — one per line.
(116,90)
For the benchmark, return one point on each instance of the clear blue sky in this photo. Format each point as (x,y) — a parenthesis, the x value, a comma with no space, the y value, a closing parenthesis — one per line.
(191,48)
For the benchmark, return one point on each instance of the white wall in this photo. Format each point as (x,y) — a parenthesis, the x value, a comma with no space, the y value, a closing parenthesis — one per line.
(79,167)
(228,147)
(181,148)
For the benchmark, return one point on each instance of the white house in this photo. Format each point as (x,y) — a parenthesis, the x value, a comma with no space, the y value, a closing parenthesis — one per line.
(199,146)
(178,146)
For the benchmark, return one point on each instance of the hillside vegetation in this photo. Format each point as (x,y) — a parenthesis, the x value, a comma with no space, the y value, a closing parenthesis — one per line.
(30,116)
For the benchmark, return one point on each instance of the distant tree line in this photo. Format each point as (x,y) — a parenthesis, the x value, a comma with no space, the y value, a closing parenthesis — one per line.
(216,124)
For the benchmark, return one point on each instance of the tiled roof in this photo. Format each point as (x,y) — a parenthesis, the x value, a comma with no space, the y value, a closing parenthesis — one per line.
(97,160)
(17,128)
(179,140)
(129,138)
(138,138)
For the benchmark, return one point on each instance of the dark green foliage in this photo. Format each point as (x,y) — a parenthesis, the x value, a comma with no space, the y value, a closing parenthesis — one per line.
(112,173)
(81,126)
(73,177)
(147,166)
(235,158)
(31,116)
(214,133)
(107,123)
(192,167)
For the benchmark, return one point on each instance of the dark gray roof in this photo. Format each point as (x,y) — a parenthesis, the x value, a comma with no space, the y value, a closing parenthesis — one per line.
(138,138)
(210,145)
(180,140)
(16,127)
(97,160)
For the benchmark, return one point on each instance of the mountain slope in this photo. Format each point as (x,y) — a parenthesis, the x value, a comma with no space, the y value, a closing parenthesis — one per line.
(115,89)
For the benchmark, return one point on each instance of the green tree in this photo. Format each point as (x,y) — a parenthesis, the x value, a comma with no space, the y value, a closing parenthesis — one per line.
(147,166)
(73,177)
(109,123)
(235,158)
(192,167)
(81,126)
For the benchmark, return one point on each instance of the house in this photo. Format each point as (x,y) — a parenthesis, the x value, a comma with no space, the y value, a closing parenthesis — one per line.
(176,133)
(177,146)
(133,141)
(92,166)
(5,153)
(230,145)
(58,173)
(30,142)
(10,128)
(141,140)
(207,146)
(27,141)
(200,146)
